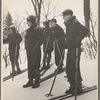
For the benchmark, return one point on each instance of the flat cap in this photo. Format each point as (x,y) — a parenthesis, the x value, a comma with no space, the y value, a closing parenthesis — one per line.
(31,18)
(67,12)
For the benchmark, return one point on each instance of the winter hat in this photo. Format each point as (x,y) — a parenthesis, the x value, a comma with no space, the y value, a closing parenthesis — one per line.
(31,18)
(53,20)
(67,12)
(12,27)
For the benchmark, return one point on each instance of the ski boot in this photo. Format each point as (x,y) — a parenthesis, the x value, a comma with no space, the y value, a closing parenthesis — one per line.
(60,70)
(79,90)
(18,71)
(13,72)
(48,66)
(71,89)
(28,84)
(36,84)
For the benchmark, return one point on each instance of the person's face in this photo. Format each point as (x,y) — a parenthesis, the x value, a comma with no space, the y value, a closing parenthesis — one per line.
(52,24)
(66,17)
(29,23)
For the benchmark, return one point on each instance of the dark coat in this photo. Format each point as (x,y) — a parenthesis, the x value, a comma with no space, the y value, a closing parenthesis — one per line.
(75,32)
(46,32)
(33,38)
(48,42)
(33,41)
(58,33)
(12,39)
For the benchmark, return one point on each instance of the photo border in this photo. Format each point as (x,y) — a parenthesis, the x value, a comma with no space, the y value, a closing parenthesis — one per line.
(98,47)
(0,43)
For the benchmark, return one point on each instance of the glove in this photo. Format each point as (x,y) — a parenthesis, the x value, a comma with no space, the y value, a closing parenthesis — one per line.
(78,41)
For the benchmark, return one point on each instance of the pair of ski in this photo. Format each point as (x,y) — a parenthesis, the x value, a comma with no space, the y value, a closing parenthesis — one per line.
(64,96)
(42,72)
(24,70)
(13,75)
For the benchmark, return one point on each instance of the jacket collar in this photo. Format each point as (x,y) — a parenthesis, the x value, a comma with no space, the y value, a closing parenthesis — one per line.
(70,20)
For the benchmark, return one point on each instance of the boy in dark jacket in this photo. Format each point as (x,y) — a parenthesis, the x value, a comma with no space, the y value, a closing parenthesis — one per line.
(14,40)
(33,41)
(58,36)
(48,44)
(75,32)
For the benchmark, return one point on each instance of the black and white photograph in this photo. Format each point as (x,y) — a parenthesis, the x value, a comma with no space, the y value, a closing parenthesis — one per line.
(49,50)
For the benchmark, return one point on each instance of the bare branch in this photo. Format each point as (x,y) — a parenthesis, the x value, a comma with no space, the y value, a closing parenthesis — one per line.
(34,7)
(26,12)
(51,10)
(48,7)
(43,7)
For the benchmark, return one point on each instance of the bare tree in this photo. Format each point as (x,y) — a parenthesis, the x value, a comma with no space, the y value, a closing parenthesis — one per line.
(90,24)
(7,22)
(87,13)
(47,12)
(37,8)
(43,7)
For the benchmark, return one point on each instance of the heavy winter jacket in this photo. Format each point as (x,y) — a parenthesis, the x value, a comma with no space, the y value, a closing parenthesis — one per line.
(75,32)
(58,33)
(33,38)
(13,39)
(48,42)
(46,32)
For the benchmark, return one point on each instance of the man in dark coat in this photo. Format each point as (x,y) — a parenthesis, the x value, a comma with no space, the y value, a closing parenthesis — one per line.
(75,32)
(48,45)
(58,36)
(14,40)
(33,41)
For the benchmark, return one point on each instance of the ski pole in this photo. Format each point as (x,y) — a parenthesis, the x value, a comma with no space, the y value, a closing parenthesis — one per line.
(15,59)
(49,94)
(58,48)
(40,40)
(76,73)
(45,49)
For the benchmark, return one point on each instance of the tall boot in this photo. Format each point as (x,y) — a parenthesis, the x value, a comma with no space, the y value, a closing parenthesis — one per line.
(28,84)
(79,88)
(18,69)
(48,61)
(36,84)
(44,65)
(13,72)
(71,89)
(60,69)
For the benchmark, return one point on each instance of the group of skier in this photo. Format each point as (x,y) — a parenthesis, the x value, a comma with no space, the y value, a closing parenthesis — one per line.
(53,37)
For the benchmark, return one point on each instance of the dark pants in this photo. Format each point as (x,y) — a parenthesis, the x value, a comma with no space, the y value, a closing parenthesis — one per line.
(71,64)
(58,54)
(14,54)
(34,58)
(47,49)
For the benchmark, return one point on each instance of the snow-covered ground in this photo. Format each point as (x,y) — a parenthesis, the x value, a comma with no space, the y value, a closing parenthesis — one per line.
(13,90)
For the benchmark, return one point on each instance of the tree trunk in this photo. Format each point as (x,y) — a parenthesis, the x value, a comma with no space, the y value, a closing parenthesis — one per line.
(37,8)
(87,13)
